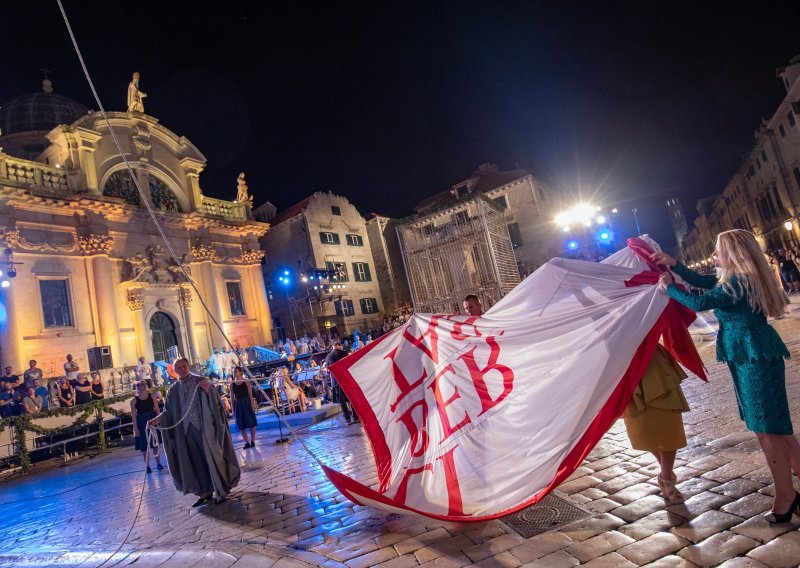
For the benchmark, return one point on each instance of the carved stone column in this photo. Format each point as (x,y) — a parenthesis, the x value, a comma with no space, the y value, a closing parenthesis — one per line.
(252,258)
(98,247)
(136,306)
(185,302)
(203,255)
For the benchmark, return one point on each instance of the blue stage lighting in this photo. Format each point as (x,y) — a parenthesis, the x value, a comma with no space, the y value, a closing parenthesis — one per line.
(604,236)
(572,245)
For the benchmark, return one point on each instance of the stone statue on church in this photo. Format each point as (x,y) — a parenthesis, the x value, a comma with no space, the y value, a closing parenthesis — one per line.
(135,96)
(242,194)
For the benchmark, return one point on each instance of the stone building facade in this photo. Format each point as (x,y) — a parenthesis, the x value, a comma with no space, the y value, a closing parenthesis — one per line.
(528,204)
(389,267)
(91,267)
(763,196)
(324,232)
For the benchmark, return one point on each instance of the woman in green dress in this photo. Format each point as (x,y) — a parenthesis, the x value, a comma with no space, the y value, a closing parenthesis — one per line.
(743,294)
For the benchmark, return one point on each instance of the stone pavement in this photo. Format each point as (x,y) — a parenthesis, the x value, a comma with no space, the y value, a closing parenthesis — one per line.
(285,513)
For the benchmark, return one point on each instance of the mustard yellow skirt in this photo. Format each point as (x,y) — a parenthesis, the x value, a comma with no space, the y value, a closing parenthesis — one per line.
(653,416)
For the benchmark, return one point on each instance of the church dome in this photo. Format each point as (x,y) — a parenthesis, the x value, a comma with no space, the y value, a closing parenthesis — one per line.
(40,111)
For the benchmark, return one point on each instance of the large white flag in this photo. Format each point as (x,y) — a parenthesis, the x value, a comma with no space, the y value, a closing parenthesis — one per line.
(472,418)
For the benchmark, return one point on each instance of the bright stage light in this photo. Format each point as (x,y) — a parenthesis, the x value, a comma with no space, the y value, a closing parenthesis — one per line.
(579,214)
(600,219)
(572,245)
(787,225)
(565,229)
(604,236)
(5,284)
(286,273)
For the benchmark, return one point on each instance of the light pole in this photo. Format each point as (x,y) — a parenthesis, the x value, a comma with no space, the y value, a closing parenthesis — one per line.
(285,280)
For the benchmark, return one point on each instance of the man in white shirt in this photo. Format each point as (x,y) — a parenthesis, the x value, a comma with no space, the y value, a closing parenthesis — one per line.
(228,359)
(215,364)
(70,369)
(144,372)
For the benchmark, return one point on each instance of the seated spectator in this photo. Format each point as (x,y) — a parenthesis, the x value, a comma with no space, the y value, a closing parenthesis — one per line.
(43,392)
(97,390)
(83,389)
(9,401)
(32,403)
(66,393)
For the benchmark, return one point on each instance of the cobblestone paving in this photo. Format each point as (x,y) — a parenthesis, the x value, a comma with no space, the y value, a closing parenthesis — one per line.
(285,513)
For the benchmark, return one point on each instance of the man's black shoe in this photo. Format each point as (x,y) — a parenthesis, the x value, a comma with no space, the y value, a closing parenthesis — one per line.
(202,501)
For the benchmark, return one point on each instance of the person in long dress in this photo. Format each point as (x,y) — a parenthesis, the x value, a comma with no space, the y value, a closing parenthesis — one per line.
(143,408)
(743,295)
(244,406)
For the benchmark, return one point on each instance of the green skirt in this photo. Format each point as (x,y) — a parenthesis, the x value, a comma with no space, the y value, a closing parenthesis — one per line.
(760,389)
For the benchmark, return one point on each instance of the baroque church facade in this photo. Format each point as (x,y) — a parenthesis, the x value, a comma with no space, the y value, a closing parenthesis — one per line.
(91,267)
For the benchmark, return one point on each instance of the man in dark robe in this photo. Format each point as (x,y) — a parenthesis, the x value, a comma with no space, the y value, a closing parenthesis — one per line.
(199,449)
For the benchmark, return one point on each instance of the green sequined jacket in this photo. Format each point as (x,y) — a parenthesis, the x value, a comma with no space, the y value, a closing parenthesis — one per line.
(744,335)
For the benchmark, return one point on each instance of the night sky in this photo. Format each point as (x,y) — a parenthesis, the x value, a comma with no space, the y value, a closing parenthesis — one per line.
(626,103)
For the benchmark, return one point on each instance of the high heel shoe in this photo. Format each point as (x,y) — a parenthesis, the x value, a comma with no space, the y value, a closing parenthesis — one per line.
(774,518)
(668,489)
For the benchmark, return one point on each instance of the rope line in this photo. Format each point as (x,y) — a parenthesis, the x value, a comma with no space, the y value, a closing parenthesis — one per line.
(151,431)
(170,249)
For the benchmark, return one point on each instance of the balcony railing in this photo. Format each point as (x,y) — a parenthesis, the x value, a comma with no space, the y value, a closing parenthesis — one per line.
(227,210)
(33,174)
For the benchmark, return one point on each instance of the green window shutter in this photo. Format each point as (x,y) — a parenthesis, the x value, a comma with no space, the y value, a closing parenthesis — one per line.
(367,275)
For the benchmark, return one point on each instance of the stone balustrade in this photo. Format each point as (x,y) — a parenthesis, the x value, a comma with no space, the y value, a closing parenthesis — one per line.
(33,174)
(228,210)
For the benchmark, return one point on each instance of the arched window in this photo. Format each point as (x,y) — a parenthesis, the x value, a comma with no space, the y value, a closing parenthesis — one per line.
(121,185)
(162,196)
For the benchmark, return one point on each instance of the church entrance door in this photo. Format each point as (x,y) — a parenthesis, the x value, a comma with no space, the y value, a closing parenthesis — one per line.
(164,336)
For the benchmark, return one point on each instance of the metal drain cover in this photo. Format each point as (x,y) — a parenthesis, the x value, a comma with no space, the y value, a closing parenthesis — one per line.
(551,513)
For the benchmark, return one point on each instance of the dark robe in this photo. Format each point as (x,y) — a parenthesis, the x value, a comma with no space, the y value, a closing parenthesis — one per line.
(217,444)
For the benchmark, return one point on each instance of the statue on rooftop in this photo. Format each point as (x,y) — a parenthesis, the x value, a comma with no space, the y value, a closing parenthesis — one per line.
(135,96)
(242,194)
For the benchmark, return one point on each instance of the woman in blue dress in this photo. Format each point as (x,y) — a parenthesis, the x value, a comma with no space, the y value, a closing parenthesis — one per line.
(743,294)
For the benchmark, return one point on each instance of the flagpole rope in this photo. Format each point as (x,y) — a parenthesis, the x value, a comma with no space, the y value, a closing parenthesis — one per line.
(151,431)
(166,240)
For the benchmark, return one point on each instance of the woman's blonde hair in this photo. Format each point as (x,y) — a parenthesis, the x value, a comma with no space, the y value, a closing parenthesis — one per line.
(741,256)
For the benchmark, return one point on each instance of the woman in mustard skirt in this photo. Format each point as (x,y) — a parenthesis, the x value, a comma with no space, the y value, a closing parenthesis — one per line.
(653,417)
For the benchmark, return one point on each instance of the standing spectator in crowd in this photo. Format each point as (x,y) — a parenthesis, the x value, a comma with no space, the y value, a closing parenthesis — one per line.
(32,403)
(144,373)
(776,269)
(228,363)
(43,392)
(10,377)
(98,392)
(215,364)
(83,390)
(144,407)
(357,343)
(9,401)
(244,407)
(32,373)
(66,393)
(789,272)
(172,375)
(336,354)
(71,369)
